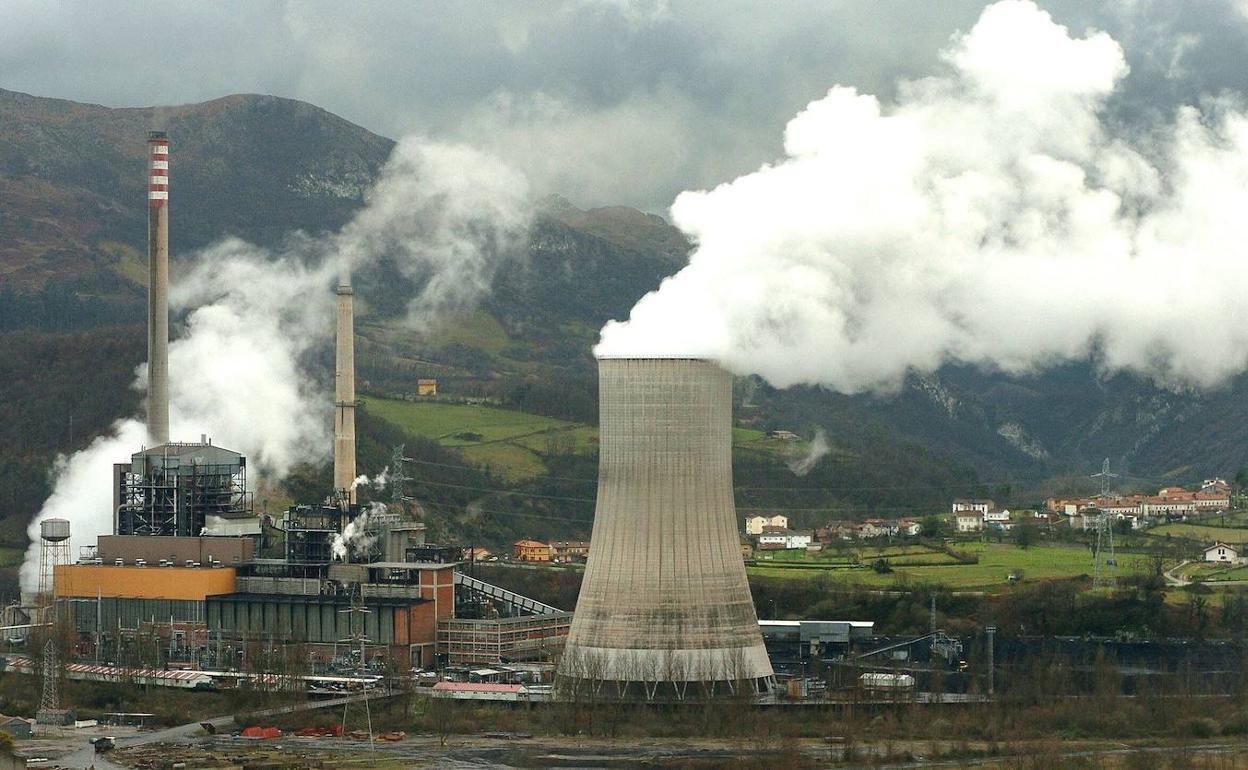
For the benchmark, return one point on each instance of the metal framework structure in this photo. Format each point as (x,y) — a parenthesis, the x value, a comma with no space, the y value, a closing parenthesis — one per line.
(173,488)
(51,698)
(467,641)
(1104,566)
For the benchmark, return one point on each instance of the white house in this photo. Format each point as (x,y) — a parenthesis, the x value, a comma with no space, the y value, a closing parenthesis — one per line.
(754,524)
(909,527)
(997,519)
(1221,552)
(980,506)
(784,538)
(968,521)
(877,528)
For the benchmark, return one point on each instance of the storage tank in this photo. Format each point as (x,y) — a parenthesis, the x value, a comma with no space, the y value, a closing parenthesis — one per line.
(664,606)
(54,530)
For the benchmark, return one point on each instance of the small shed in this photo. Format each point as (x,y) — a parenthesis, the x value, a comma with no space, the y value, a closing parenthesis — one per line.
(19,729)
(1222,552)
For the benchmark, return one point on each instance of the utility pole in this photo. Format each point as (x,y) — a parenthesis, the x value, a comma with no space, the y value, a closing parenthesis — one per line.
(992,632)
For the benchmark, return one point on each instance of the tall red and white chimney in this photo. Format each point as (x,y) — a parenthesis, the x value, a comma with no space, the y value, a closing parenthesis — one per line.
(158,288)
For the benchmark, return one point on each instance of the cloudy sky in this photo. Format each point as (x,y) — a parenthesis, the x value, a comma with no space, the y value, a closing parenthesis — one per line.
(605,101)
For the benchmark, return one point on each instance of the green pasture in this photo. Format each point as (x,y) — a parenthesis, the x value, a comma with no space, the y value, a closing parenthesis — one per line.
(996,562)
(512,443)
(1201,532)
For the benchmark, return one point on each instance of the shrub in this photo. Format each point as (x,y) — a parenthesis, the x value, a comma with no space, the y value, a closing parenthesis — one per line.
(1197,727)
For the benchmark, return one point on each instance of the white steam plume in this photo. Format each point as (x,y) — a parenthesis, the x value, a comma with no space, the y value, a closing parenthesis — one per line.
(356,538)
(818,449)
(377,482)
(446,214)
(989,216)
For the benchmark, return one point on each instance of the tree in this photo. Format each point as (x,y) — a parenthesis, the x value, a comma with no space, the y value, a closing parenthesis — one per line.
(932,526)
(1025,535)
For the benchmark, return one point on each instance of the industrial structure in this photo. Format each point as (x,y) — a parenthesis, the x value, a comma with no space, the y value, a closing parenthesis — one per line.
(180,489)
(664,609)
(192,576)
(158,288)
(53,550)
(344,395)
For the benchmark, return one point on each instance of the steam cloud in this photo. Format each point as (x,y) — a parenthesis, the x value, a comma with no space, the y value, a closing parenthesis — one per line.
(356,538)
(989,216)
(818,449)
(446,214)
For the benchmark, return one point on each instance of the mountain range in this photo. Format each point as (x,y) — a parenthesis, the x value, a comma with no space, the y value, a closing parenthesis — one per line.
(72,294)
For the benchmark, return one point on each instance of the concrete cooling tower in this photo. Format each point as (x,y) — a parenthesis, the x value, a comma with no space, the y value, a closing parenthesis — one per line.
(665,610)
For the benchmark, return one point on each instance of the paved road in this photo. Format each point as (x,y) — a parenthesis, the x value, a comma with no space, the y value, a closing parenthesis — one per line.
(85,756)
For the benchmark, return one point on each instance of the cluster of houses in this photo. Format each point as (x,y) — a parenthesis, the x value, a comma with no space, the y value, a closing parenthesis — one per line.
(768,533)
(554,552)
(1169,504)
(970,516)
(967,516)
(867,530)
(772,533)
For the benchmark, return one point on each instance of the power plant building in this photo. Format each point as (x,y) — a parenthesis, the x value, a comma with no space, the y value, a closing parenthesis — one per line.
(664,606)
(174,488)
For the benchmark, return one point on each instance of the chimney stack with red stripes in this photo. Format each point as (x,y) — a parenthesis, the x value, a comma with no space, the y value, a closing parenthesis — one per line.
(158,288)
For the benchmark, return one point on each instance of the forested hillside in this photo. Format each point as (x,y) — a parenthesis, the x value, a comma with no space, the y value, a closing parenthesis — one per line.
(72,228)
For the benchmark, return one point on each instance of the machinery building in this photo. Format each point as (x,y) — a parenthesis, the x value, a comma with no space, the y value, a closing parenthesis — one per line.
(177,489)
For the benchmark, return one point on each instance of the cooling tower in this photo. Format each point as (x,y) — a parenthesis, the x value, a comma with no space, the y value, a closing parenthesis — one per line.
(665,604)
(344,395)
(158,288)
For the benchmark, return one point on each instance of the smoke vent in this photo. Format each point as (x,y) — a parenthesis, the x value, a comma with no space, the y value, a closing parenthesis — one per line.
(344,397)
(158,288)
(665,604)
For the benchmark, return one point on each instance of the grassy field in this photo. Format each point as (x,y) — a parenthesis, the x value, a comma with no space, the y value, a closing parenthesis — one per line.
(507,441)
(1200,532)
(512,443)
(996,562)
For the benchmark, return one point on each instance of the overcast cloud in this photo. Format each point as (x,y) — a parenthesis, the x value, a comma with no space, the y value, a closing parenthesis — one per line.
(605,101)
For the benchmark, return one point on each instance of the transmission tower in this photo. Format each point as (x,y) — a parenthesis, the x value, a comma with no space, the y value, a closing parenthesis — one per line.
(398,477)
(1103,562)
(1105,476)
(1104,566)
(358,636)
(51,700)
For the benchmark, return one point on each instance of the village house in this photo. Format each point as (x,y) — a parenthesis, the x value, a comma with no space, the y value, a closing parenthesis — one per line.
(976,506)
(909,527)
(877,528)
(530,551)
(997,520)
(1221,552)
(968,521)
(569,551)
(783,538)
(837,531)
(754,524)
(1216,485)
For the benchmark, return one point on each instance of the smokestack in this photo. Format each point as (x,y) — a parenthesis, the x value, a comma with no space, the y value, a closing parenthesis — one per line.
(664,600)
(344,395)
(158,288)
